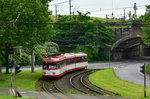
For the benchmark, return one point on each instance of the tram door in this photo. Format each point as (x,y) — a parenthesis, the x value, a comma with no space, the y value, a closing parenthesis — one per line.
(70,64)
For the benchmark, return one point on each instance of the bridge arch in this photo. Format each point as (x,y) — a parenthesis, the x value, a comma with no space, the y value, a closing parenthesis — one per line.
(128,46)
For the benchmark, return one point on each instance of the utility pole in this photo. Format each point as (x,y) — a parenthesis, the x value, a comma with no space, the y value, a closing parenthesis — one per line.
(56,11)
(112,14)
(73,13)
(144,80)
(124,15)
(106,17)
(143,70)
(129,14)
(0,69)
(135,9)
(70,7)
(32,60)
(112,9)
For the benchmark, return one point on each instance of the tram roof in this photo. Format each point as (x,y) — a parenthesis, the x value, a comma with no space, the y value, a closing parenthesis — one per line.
(48,59)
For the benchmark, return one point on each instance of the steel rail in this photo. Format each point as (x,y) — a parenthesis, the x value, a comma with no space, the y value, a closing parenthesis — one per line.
(95,88)
(71,82)
(47,91)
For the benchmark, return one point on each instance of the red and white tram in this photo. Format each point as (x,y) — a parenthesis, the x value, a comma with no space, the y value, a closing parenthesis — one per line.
(58,65)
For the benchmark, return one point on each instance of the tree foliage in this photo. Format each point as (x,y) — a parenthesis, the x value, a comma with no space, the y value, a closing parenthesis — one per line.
(82,32)
(47,48)
(13,34)
(23,58)
(146,19)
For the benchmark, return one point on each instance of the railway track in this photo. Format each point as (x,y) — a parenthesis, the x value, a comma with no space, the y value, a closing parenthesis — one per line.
(85,82)
(75,82)
(80,82)
(49,87)
(52,90)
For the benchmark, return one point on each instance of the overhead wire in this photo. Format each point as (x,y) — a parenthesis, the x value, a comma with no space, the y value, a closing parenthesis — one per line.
(59,3)
(105,10)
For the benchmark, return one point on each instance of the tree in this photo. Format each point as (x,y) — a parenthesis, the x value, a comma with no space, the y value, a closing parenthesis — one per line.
(47,48)
(51,48)
(84,31)
(15,32)
(0,68)
(146,19)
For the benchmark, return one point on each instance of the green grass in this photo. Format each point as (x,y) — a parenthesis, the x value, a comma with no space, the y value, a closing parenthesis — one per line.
(148,68)
(25,80)
(106,79)
(10,97)
(74,92)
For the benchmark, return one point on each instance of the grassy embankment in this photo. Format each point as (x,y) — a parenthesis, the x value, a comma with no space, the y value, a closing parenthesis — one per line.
(106,79)
(25,80)
(148,68)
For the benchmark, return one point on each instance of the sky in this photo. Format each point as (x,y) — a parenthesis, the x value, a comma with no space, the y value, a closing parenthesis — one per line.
(99,8)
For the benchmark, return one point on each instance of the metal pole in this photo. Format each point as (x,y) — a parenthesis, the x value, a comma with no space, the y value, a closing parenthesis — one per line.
(56,11)
(106,17)
(124,15)
(129,14)
(32,61)
(11,78)
(135,8)
(15,64)
(15,85)
(70,7)
(0,73)
(144,81)
(109,58)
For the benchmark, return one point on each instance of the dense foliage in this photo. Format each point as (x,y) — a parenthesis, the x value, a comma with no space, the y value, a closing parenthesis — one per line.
(47,48)
(146,37)
(148,68)
(24,58)
(23,25)
(14,14)
(146,19)
(81,33)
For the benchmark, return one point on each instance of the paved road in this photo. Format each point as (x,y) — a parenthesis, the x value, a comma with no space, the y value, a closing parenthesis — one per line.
(131,73)
(128,70)
(45,95)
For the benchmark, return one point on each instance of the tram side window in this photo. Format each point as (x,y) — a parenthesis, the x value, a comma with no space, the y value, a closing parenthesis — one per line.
(61,63)
(81,59)
(85,58)
(70,61)
(49,66)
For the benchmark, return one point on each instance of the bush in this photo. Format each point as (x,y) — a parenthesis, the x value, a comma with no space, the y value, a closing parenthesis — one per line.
(45,49)
(148,68)
(21,60)
(39,53)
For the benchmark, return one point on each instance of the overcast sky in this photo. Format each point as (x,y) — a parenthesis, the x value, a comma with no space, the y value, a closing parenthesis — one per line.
(99,8)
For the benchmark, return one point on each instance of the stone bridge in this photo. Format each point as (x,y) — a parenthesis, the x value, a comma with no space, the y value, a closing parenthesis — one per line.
(128,43)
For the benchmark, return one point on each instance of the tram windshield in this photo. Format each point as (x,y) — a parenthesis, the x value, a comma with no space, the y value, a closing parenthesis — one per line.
(50,66)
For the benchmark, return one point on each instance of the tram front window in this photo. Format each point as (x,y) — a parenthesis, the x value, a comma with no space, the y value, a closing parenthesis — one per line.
(49,66)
